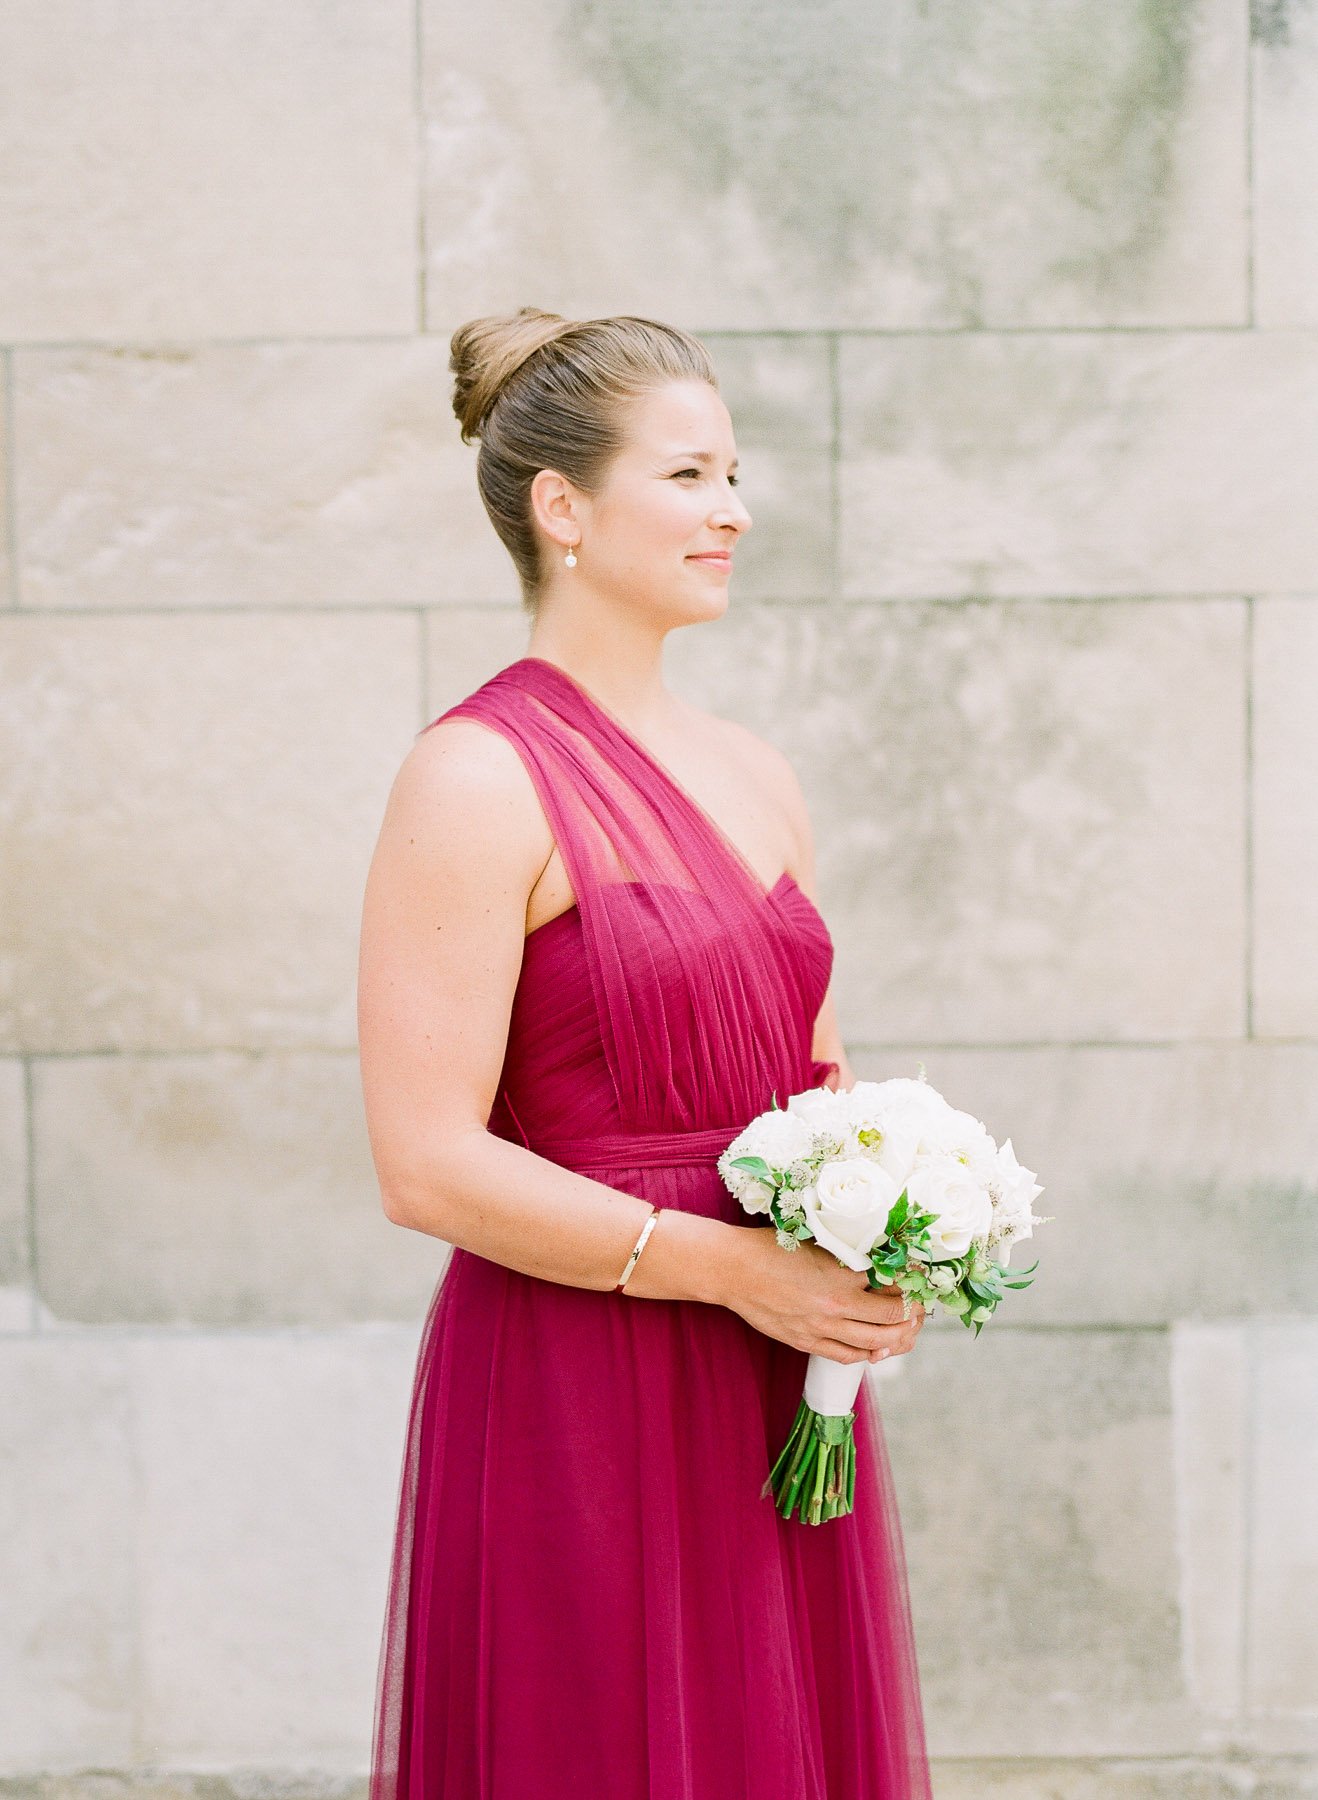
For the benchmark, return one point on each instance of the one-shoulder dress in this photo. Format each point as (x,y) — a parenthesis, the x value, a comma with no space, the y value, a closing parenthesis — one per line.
(590,1596)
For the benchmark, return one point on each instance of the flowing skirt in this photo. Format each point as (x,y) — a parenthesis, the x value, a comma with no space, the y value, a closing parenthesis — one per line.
(590,1597)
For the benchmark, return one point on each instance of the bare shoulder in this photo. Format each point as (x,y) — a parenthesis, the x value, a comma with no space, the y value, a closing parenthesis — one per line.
(765,766)
(463,793)
(760,788)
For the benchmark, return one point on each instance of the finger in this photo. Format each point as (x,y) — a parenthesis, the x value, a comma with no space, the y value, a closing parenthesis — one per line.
(878,1309)
(867,1338)
(837,1351)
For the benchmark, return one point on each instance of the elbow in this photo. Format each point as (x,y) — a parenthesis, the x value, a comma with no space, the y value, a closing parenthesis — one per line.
(393,1208)
(421,1190)
(418,1200)
(415,1205)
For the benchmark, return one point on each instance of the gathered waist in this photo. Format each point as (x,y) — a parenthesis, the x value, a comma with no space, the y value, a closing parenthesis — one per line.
(637,1149)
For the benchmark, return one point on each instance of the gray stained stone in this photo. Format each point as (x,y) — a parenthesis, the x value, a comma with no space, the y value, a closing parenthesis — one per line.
(855,167)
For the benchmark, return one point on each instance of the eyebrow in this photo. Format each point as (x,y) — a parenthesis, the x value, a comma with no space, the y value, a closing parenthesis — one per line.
(702,456)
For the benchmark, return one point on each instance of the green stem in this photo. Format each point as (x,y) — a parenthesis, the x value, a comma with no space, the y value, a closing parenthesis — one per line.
(815,1471)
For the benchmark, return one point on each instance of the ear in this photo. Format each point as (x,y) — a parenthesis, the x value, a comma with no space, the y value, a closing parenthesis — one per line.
(553,501)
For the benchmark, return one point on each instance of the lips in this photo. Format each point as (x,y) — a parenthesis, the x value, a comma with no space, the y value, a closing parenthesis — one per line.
(721,558)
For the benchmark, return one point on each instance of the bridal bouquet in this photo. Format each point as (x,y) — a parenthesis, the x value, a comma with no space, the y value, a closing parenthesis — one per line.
(893,1180)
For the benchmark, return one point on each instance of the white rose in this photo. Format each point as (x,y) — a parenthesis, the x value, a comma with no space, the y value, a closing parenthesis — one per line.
(880,1098)
(956,1133)
(780,1137)
(821,1109)
(963,1210)
(847,1209)
(1013,1213)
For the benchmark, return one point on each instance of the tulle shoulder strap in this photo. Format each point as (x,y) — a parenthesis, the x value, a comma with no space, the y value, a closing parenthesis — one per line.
(660,890)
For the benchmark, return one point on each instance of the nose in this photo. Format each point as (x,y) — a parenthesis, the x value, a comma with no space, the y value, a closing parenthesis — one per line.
(733,512)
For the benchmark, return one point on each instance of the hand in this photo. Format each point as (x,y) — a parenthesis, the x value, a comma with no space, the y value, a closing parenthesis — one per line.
(806,1298)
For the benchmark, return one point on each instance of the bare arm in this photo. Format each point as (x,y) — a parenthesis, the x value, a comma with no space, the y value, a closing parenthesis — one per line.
(463,841)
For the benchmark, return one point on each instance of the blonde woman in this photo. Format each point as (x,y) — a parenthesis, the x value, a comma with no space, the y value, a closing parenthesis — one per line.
(591,951)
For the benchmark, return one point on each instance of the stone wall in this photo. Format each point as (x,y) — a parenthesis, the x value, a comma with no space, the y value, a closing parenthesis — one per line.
(1015,306)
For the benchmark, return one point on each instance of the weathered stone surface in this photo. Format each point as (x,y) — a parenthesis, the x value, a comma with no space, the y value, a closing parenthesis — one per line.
(265,1522)
(1285,817)
(905,166)
(68,1543)
(245,476)
(8,596)
(246,170)
(1212,1451)
(15,1256)
(218,1189)
(195,1544)
(1029,818)
(1128,1778)
(465,645)
(1284,121)
(1078,464)
(1035,1479)
(1281,1670)
(190,825)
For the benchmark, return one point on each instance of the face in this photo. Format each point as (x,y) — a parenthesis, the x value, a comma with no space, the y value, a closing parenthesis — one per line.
(670,499)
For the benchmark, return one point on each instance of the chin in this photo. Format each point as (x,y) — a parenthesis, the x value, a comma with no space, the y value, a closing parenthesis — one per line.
(713,606)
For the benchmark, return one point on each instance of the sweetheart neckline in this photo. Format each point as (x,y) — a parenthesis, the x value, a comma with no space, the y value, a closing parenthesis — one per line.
(770,893)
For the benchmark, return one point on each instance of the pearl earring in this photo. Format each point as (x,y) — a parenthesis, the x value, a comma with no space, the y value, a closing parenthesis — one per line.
(571,558)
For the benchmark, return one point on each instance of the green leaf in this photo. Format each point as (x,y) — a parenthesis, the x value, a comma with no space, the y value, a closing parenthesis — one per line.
(757,1167)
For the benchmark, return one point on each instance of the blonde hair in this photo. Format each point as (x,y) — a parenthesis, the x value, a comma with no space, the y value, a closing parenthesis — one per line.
(544,392)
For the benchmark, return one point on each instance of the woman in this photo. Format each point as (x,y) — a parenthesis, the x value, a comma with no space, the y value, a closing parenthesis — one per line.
(590,954)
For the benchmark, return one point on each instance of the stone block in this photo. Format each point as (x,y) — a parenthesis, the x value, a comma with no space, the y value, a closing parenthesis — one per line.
(191,822)
(1028,817)
(68,1556)
(247,171)
(1035,1480)
(1284,123)
(907,166)
(15,1244)
(283,475)
(1079,463)
(1282,1638)
(1285,817)
(270,1467)
(216,1189)
(779,394)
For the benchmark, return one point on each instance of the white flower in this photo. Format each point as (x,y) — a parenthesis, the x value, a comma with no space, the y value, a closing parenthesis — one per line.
(847,1209)
(951,1132)
(963,1210)
(822,1109)
(874,1101)
(1013,1213)
(752,1195)
(791,1202)
(776,1136)
(779,1137)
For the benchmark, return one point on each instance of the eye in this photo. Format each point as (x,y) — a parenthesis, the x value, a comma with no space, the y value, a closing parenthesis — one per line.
(733,480)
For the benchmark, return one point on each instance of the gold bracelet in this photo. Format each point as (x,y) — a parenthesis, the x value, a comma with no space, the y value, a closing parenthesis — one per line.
(646,1229)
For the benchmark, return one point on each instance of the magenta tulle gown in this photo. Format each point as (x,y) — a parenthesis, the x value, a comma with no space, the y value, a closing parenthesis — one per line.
(590,1597)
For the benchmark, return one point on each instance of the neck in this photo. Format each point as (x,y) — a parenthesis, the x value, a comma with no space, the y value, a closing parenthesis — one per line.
(617,662)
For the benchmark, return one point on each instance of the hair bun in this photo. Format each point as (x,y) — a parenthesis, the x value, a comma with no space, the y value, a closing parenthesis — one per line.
(485,352)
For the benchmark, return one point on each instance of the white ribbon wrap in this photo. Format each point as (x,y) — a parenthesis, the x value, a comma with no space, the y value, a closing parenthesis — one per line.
(831,1387)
